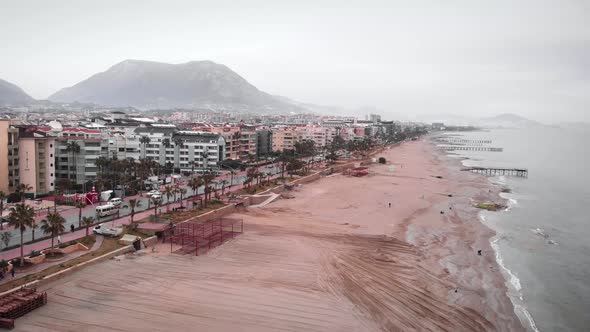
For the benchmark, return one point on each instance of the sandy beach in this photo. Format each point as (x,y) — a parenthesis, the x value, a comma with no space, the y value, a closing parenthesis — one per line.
(336,257)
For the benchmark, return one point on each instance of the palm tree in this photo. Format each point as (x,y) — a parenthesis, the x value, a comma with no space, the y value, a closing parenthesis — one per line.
(53,225)
(207,178)
(80,205)
(87,221)
(2,199)
(34,226)
(22,190)
(74,148)
(144,141)
(182,192)
(232,172)
(21,216)
(168,191)
(5,238)
(223,183)
(156,203)
(195,183)
(133,203)
(178,141)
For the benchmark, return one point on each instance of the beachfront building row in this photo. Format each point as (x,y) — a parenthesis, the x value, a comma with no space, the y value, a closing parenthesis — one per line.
(26,156)
(185,150)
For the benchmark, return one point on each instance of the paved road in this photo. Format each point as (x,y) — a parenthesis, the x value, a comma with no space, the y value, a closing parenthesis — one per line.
(71,215)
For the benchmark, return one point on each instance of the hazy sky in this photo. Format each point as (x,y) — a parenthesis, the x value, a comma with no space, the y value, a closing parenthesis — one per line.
(470,57)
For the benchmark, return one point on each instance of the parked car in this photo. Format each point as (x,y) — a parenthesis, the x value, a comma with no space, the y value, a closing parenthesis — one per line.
(153,193)
(102,229)
(116,201)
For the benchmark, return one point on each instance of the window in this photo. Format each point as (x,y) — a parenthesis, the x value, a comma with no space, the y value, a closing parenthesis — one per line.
(51,145)
(51,155)
(51,174)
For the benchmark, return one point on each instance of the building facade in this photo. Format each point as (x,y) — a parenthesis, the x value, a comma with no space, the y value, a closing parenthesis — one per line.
(36,160)
(9,156)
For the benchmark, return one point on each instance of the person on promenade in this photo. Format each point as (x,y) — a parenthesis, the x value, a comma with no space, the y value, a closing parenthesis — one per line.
(389,204)
(58,240)
(72,228)
(12,272)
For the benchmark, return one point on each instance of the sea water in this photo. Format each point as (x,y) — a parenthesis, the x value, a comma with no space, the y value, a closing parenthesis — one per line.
(543,237)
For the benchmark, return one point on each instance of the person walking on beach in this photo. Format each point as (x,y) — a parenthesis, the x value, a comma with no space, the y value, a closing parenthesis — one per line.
(58,240)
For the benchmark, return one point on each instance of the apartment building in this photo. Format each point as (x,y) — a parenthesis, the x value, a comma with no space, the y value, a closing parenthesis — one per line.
(79,163)
(36,159)
(9,156)
(198,150)
(185,150)
(283,138)
(123,146)
(264,142)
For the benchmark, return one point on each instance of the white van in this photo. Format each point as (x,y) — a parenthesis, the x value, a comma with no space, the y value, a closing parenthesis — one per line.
(106,210)
(115,201)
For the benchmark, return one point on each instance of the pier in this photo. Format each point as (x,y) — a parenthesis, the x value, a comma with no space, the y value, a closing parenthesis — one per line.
(464,141)
(492,171)
(472,148)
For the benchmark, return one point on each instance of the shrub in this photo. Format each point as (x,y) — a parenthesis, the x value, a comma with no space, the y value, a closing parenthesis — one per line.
(3,264)
(382,160)
(34,253)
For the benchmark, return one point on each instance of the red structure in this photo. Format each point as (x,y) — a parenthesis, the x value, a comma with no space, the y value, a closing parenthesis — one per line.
(198,237)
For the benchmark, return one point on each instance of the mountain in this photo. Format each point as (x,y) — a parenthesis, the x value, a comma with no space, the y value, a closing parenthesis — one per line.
(155,85)
(11,94)
(508,120)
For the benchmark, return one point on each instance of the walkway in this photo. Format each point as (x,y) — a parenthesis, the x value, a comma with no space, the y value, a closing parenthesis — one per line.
(46,264)
(125,220)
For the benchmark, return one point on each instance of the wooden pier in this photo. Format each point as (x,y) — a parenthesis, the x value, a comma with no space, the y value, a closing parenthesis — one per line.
(464,141)
(492,171)
(471,148)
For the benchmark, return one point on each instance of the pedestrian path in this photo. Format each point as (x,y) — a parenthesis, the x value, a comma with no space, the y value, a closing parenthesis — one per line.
(46,264)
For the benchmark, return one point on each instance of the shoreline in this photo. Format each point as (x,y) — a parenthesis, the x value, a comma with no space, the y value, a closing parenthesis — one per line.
(512,282)
(336,257)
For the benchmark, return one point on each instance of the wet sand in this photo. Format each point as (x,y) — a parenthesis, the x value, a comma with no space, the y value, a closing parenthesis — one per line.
(334,258)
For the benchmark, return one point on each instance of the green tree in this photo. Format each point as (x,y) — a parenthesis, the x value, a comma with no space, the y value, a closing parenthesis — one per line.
(207,178)
(74,148)
(21,216)
(53,225)
(34,226)
(2,199)
(80,205)
(168,191)
(144,141)
(5,238)
(87,221)
(22,190)
(133,204)
(156,202)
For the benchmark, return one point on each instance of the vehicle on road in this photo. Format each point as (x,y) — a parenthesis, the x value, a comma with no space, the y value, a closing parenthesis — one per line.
(106,210)
(153,193)
(116,201)
(103,229)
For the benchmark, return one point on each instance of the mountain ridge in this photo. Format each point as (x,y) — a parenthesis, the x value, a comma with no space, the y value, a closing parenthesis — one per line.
(156,85)
(12,94)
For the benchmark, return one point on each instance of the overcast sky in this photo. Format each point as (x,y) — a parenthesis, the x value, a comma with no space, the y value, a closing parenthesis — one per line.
(404,57)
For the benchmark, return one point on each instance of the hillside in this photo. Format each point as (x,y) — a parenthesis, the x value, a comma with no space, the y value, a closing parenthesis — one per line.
(155,85)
